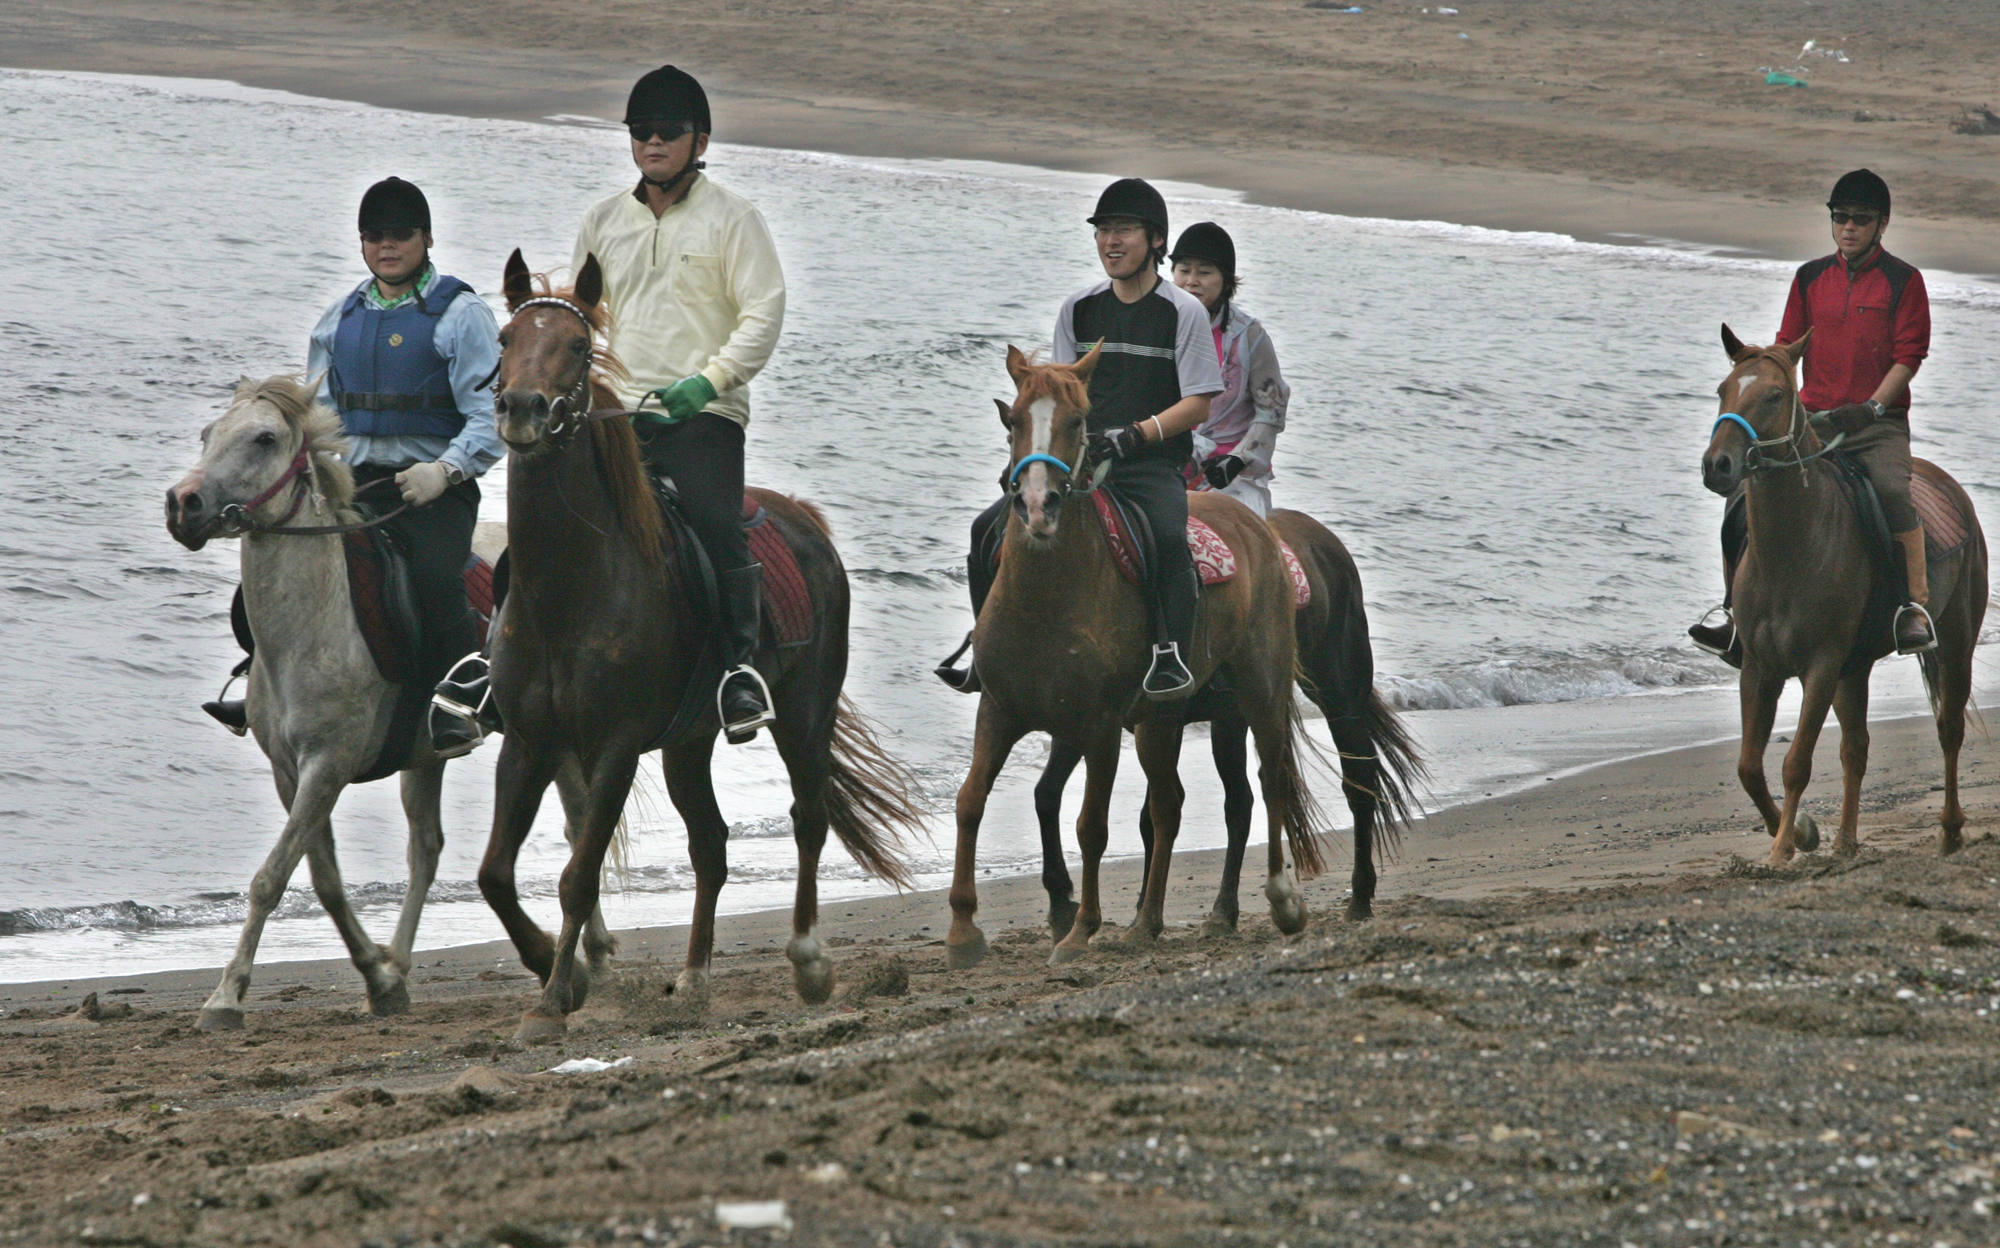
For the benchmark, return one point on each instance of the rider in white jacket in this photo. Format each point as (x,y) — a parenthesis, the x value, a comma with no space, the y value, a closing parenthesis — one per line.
(1233,447)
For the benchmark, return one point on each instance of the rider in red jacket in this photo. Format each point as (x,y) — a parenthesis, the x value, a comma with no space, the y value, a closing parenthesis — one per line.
(1870,320)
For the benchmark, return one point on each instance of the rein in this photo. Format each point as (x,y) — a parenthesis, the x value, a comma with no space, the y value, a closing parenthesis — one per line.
(236,517)
(1754,460)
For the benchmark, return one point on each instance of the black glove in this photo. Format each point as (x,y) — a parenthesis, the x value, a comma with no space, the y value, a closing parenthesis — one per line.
(1221,470)
(1119,442)
(1851,419)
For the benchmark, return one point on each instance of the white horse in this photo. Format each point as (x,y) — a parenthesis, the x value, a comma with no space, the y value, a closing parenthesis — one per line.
(318,706)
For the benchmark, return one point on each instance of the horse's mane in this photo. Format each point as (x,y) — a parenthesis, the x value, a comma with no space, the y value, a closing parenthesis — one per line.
(318,425)
(1054,381)
(617,447)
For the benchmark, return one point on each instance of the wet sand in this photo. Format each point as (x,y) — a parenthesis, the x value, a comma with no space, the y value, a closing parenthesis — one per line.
(1610,120)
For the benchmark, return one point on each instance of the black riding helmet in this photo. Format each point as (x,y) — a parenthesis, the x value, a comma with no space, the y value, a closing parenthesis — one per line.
(671,96)
(393,204)
(1862,188)
(1205,240)
(1134,198)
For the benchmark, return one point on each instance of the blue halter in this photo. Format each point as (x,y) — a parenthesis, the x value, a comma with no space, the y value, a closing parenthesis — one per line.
(1729,417)
(1021,465)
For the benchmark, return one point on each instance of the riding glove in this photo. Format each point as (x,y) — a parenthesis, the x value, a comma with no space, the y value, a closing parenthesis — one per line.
(1221,470)
(1119,442)
(1852,418)
(681,400)
(422,483)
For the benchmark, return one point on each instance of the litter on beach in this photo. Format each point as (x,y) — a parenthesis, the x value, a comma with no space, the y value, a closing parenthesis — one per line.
(587,1066)
(756,1215)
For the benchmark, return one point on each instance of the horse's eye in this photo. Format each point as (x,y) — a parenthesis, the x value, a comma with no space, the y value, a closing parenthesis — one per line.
(503,342)
(267,438)
(579,347)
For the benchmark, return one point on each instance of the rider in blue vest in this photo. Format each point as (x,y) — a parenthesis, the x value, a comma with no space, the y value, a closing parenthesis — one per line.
(402,358)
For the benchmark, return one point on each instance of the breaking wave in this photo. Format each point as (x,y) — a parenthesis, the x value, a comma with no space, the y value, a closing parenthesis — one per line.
(1514,682)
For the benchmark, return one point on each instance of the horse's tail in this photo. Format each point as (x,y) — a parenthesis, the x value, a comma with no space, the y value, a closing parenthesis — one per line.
(1399,771)
(868,802)
(1927,663)
(1292,799)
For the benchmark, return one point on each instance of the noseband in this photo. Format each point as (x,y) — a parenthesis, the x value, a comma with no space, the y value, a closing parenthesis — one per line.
(577,401)
(236,517)
(1754,460)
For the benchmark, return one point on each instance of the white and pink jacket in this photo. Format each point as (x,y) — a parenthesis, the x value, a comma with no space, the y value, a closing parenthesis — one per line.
(1246,418)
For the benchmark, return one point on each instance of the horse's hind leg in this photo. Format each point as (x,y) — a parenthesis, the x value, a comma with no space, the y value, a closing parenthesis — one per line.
(1954,691)
(1159,750)
(993,740)
(1063,759)
(808,761)
(308,799)
(1759,698)
(1093,833)
(692,789)
(1229,744)
(421,788)
(1360,774)
(388,987)
(1850,707)
(598,942)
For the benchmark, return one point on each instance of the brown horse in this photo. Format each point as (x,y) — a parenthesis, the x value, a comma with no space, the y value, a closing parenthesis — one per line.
(1802,592)
(598,643)
(1378,760)
(1061,648)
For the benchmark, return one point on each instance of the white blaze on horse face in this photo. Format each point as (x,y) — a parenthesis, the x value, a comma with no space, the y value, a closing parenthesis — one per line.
(1042,414)
(1744,383)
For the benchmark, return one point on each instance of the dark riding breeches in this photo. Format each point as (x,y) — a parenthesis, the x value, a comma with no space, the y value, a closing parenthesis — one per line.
(704,456)
(437,537)
(1883,451)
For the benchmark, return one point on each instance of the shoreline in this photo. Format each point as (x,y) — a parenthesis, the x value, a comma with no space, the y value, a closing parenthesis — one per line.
(432,71)
(1651,817)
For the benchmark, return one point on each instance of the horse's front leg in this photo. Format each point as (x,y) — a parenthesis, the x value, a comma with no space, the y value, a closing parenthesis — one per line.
(1159,750)
(387,984)
(1758,695)
(1850,706)
(519,780)
(1093,833)
(309,796)
(573,788)
(421,789)
(1229,744)
(1818,688)
(993,740)
(1063,759)
(569,983)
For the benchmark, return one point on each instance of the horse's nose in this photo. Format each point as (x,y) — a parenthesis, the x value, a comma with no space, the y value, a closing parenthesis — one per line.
(1052,501)
(1720,473)
(524,404)
(188,504)
(1020,504)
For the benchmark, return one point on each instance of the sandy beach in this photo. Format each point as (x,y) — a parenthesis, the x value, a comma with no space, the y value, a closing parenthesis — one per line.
(1610,120)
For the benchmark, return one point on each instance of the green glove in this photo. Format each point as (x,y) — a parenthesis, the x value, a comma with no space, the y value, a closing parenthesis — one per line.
(681,400)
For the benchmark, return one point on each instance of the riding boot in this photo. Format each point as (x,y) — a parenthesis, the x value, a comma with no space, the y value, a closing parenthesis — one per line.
(742,699)
(1719,639)
(1914,633)
(1168,679)
(231,713)
(463,712)
(978,581)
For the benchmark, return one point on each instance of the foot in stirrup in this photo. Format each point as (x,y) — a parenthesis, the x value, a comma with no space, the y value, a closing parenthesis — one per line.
(462,710)
(1914,634)
(1716,634)
(743,701)
(964,679)
(233,714)
(1169,677)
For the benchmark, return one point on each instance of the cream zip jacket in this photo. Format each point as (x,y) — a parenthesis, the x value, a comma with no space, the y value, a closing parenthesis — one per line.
(697,289)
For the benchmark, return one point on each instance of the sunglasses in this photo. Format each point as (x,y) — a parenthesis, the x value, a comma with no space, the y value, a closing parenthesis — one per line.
(1856,218)
(401,234)
(668,131)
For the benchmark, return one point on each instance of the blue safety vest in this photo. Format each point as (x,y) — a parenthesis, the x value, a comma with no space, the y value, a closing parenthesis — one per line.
(386,375)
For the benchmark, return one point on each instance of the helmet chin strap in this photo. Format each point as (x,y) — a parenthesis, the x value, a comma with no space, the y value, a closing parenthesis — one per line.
(672,184)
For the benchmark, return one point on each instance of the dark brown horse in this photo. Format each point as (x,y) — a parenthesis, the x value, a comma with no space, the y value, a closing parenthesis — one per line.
(1378,761)
(599,640)
(1061,648)
(1802,593)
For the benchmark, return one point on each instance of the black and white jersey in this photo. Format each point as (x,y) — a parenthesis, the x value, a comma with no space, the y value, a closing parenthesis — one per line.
(1157,351)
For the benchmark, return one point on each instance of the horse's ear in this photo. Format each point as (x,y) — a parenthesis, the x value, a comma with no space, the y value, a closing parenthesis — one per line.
(1732,344)
(589,282)
(1006,413)
(1083,367)
(516,283)
(1017,365)
(1797,350)
(244,384)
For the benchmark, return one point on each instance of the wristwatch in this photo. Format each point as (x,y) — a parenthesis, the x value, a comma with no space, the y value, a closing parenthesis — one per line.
(1876,407)
(453,474)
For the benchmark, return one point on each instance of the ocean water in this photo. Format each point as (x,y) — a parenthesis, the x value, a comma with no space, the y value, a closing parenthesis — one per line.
(1505,428)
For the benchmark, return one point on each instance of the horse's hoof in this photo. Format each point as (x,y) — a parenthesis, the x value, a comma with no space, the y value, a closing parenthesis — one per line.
(812,970)
(691,988)
(1805,832)
(967,954)
(536,1025)
(1063,955)
(1288,909)
(1360,910)
(1062,917)
(394,1001)
(1218,924)
(211,1019)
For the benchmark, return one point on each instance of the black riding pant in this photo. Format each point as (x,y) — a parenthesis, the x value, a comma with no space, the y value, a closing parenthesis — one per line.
(1153,487)
(704,456)
(437,538)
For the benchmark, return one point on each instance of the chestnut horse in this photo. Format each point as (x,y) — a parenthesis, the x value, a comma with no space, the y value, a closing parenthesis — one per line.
(597,644)
(1061,648)
(1378,761)
(1802,590)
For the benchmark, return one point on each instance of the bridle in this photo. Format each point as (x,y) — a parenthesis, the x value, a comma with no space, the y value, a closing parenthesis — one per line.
(1754,460)
(566,411)
(236,518)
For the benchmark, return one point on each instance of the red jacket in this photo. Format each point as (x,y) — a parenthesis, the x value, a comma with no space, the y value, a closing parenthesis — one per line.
(1864,321)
